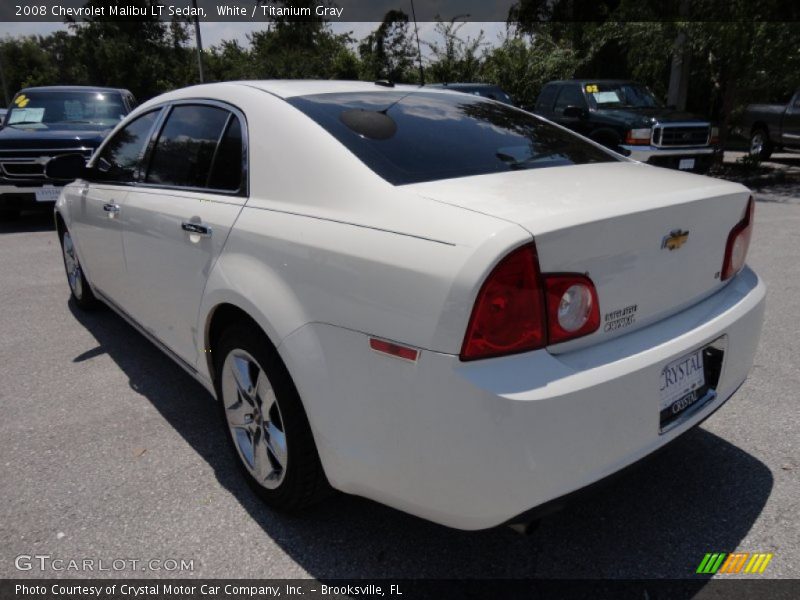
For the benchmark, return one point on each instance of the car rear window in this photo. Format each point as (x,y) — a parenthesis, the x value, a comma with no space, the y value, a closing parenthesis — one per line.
(414,137)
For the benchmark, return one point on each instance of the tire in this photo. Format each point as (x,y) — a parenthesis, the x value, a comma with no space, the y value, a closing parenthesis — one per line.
(760,145)
(78,285)
(267,426)
(9,214)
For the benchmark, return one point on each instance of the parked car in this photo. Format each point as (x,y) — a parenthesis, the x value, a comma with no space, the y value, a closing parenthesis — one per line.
(486,90)
(627,117)
(439,302)
(773,127)
(44,122)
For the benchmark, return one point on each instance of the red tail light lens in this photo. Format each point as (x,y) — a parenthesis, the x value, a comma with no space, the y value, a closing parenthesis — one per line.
(508,316)
(738,243)
(518,309)
(572,307)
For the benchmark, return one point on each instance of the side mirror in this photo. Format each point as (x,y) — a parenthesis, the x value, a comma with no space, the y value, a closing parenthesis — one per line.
(66,167)
(575,112)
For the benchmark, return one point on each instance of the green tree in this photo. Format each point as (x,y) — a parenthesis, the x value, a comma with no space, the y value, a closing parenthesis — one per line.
(302,47)
(144,54)
(521,65)
(229,61)
(388,52)
(454,58)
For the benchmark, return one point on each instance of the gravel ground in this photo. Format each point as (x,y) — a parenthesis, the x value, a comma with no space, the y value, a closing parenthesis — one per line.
(110,451)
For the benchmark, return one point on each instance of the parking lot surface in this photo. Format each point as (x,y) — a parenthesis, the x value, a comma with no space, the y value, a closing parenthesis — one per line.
(109,451)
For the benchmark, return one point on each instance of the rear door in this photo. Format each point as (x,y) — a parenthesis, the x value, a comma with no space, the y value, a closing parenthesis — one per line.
(178,218)
(96,208)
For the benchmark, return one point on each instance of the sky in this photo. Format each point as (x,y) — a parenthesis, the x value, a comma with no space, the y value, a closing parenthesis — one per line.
(215,32)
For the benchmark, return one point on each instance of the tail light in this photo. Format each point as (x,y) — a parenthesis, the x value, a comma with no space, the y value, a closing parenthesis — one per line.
(518,309)
(638,137)
(508,316)
(738,243)
(572,308)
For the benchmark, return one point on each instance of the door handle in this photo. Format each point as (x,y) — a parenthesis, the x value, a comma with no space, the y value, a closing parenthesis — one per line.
(111,207)
(196,228)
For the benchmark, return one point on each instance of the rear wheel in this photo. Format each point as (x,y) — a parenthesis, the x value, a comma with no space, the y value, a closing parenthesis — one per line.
(266,422)
(79,287)
(760,145)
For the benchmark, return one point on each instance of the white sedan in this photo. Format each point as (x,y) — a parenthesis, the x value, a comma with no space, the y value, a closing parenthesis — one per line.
(433,300)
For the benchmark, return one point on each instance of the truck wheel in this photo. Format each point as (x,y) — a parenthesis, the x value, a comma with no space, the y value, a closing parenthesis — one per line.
(760,145)
(266,422)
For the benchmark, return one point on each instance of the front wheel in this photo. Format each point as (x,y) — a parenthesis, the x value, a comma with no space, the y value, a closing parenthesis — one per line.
(760,144)
(266,422)
(78,285)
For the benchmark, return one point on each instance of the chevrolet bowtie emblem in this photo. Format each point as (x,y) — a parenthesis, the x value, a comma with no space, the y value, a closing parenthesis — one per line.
(675,239)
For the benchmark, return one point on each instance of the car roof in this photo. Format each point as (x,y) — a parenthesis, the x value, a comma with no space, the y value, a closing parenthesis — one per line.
(288,88)
(73,88)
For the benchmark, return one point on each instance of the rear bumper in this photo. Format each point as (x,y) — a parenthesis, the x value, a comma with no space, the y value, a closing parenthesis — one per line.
(473,445)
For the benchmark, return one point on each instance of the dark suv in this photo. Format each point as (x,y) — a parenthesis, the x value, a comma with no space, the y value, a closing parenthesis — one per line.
(628,118)
(43,122)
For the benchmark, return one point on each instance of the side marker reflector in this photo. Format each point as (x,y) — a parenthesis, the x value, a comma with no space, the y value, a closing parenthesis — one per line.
(395,350)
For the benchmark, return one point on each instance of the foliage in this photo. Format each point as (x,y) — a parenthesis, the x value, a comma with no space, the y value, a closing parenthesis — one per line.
(453,58)
(522,65)
(388,52)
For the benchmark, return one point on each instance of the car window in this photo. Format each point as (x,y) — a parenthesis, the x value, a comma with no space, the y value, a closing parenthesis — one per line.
(422,136)
(546,98)
(185,148)
(570,95)
(620,95)
(119,159)
(226,172)
(45,109)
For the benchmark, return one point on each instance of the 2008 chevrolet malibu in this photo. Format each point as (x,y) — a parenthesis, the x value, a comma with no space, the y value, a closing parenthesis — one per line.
(433,300)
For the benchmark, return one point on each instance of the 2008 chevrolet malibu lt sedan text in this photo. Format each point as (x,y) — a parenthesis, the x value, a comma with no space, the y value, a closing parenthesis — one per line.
(434,300)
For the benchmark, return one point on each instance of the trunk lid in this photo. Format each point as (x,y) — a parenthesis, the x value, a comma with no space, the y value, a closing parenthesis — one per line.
(616,223)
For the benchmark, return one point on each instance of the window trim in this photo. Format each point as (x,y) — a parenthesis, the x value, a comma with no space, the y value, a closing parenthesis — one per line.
(146,163)
(146,156)
(124,125)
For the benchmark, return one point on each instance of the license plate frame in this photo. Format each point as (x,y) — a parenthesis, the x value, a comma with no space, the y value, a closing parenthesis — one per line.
(684,386)
(686,164)
(47,193)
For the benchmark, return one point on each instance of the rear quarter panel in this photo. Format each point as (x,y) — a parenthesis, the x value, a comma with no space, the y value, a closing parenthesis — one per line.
(322,239)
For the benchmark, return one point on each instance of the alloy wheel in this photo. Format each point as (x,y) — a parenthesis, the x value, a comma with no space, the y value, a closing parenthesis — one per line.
(254,418)
(74,275)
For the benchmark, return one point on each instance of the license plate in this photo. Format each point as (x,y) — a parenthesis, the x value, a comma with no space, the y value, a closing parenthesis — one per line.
(47,194)
(681,383)
(686,163)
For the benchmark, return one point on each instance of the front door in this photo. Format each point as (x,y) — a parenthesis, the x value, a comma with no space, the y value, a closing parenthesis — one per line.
(98,205)
(177,219)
